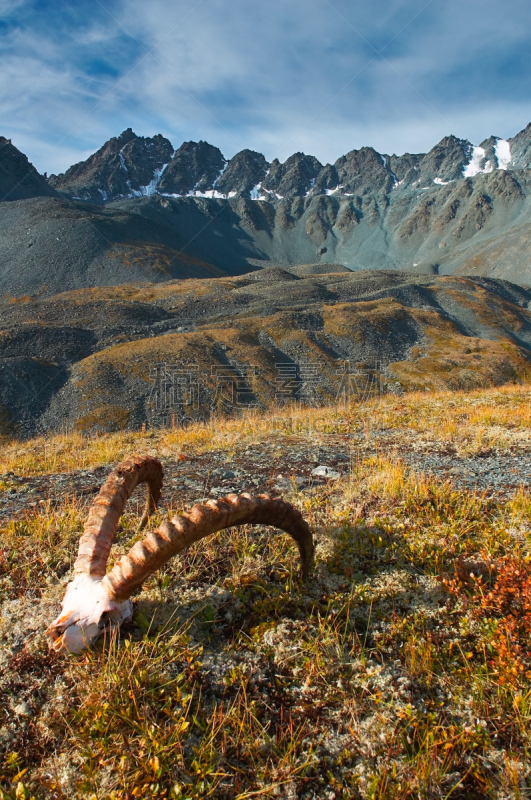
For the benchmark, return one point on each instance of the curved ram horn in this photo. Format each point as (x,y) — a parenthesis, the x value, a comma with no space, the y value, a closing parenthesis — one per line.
(93,600)
(173,537)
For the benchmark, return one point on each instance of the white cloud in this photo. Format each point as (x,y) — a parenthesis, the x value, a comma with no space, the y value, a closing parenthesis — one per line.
(9,6)
(276,77)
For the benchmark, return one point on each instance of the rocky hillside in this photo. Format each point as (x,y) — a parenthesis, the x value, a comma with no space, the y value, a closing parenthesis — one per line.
(49,245)
(18,178)
(181,350)
(475,226)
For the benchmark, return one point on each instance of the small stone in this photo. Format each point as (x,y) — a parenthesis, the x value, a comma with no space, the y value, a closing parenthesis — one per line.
(326,472)
(283,484)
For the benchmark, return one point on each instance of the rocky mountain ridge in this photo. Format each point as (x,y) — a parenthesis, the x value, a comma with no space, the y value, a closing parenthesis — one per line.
(475,226)
(131,166)
(126,166)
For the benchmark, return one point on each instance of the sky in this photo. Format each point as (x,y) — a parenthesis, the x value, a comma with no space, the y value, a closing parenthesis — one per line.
(278,76)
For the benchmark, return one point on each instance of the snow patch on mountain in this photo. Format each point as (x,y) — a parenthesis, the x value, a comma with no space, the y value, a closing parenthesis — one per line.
(503,153)
(221,173)
(310,190)
(151,187)
(210,194)
(213,194)
(474,165)
(477,164)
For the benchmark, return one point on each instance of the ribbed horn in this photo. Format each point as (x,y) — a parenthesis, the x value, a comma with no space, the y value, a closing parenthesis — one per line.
(103,518)
(173,537)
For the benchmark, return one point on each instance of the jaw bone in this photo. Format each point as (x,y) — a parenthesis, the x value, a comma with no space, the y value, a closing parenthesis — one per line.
(95,600)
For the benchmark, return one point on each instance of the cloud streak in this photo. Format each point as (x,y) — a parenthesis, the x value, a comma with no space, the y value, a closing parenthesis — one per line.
(323,76)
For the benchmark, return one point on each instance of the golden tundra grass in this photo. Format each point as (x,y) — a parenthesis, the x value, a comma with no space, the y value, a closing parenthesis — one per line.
(403,670)
(468,421)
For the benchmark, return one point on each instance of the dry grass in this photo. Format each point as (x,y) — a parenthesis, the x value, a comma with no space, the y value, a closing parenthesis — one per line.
(400,671)
(467,421)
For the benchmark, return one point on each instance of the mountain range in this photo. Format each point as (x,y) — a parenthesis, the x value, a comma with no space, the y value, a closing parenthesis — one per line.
(139,210)
(130,166)
(148,285)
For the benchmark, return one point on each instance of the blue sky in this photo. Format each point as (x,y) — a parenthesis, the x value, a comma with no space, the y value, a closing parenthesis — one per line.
(321,76)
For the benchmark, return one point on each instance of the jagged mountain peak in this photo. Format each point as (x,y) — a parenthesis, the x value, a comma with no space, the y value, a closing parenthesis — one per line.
(453,141)
(18,178)
(124,137)
(195,167)
(126,166)
(446,161)
(295,177)
(364,171)
(243,175)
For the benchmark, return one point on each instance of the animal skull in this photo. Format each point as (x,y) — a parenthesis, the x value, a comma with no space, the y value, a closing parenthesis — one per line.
(95,600)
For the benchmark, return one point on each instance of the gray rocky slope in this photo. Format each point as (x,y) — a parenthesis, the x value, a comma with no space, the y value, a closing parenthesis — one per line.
(474,226)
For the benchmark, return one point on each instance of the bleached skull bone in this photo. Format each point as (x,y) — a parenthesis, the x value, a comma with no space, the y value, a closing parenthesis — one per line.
(86,611)
(95,600)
